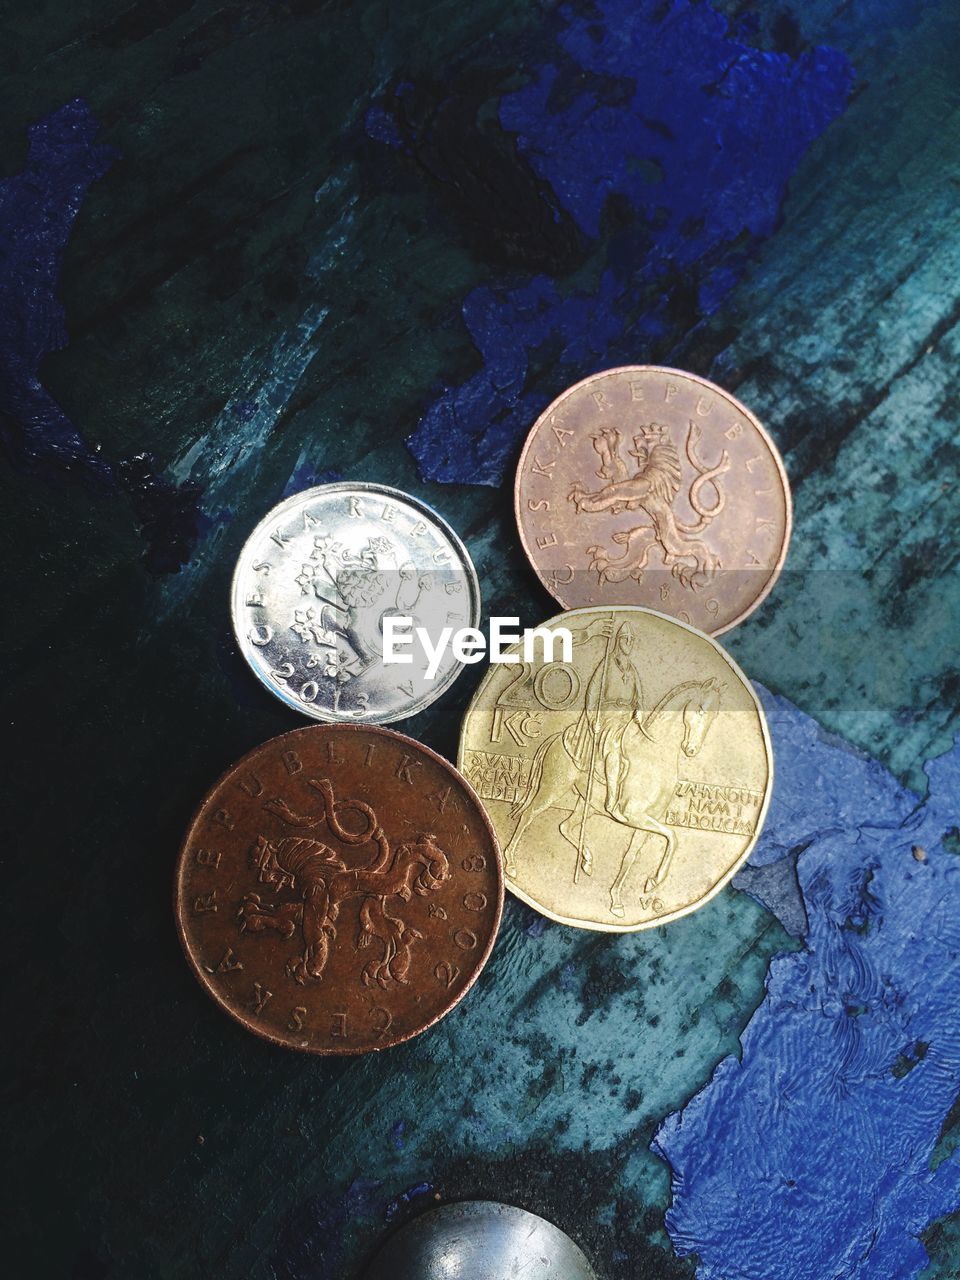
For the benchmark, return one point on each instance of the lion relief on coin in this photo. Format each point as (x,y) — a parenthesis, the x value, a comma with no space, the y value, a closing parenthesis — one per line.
(652,486)
(320,882)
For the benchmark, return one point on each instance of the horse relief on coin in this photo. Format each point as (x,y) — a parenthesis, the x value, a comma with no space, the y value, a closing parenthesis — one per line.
(339,889)
(315,582)
(650,486)
(627,785)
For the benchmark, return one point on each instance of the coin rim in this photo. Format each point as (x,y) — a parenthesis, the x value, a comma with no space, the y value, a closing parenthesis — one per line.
(703,382)
(310,709)
(598,926)
(181,862)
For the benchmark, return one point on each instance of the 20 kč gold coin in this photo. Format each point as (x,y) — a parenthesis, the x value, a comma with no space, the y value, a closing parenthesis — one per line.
(627,785)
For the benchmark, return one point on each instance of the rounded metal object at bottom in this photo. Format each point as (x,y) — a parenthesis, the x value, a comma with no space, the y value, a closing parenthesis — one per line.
(479,1240)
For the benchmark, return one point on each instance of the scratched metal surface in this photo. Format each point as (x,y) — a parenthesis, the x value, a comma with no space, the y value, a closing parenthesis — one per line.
(288,236)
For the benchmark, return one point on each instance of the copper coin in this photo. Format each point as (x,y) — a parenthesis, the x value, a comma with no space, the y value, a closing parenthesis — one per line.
(339,889)
(650,486)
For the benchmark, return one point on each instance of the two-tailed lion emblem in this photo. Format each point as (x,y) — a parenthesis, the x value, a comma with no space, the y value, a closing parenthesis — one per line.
(652,486)
(320,883)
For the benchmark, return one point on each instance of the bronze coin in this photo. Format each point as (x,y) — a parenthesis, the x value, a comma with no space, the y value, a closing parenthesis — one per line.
(339,889)
(650,486)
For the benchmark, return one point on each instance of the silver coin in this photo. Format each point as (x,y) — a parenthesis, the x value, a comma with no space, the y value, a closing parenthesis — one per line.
(479,1240)
(315,583)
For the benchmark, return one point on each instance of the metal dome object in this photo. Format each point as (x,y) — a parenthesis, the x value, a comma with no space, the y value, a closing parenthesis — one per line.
(479,1240)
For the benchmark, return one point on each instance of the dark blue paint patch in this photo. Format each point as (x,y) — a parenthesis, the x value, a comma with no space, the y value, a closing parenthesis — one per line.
(532,923)
(669,143)
(244,410)
(307,477)
(833,1112)
(310,1246)
(403,1201)
(568,977)
(381,125)
(38,208)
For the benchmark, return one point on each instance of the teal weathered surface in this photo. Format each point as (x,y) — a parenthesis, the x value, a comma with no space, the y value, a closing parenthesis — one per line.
(255,292)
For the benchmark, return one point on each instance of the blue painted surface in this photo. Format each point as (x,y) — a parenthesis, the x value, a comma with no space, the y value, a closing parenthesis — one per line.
(309,1244)
(413,1195)
(670,143)
(815,1154)
(38,208)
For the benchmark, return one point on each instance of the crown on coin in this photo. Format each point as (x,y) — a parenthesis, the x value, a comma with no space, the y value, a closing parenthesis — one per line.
(653,433)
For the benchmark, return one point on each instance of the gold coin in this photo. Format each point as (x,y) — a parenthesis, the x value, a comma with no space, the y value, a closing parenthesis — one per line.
(628,784)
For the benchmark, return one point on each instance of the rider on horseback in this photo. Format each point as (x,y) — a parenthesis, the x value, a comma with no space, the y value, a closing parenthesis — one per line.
(614,697)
